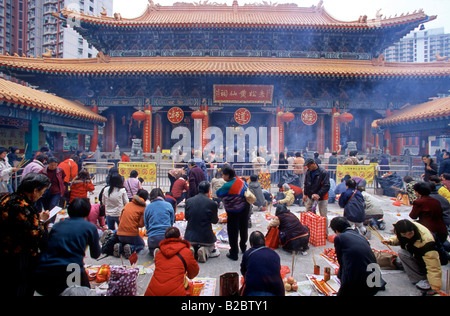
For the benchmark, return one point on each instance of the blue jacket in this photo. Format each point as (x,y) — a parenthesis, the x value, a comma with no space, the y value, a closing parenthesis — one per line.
(354,207)
(261,267)
(158,216)
(67,243)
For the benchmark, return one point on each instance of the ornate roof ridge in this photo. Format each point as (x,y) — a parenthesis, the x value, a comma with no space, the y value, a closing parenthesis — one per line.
(265,14)
(225,65)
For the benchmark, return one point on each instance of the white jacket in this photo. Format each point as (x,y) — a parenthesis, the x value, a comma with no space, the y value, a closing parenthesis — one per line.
(115,202)
(5,170)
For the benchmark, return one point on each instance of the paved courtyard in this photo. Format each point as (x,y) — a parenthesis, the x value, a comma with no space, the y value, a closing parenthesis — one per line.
(397,281)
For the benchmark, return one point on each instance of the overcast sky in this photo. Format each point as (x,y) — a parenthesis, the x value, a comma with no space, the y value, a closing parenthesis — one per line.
(344,10)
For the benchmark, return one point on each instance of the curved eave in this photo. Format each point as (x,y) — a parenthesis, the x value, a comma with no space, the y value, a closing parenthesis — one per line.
(226,66)
(432,111)
(308,27)
(48,109)
(413,122)
(323,75)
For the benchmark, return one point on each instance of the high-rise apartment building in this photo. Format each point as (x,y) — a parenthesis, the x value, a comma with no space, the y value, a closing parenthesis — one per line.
(29,27)
(420,46)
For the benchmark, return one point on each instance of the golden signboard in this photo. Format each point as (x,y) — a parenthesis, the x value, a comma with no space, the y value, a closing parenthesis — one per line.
(366,172)
(145,170)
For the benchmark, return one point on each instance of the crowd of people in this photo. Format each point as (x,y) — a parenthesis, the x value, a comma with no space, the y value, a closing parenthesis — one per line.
(37,252)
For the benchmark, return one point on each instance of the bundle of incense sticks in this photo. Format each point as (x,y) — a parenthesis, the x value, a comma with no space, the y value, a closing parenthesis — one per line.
(23,162)
(377,234)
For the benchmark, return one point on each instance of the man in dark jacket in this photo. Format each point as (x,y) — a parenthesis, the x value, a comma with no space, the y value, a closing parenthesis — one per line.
(444,166)
(196,176)
(359,273)
(317,185)
(261,267)
(201,212)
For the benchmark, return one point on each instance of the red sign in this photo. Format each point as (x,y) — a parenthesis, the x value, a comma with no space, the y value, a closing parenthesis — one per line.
(175,115)
(230,93)
(336,133)
(242,116)
(309,117)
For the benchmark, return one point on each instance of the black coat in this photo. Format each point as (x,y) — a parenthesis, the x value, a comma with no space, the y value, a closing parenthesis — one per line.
(428,173)
(444,167)
(200,213)
(320,184)
(354,256)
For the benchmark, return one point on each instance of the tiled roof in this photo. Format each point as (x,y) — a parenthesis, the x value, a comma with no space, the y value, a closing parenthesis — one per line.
(247,15)
(18,94)
(439,108)
(243,66)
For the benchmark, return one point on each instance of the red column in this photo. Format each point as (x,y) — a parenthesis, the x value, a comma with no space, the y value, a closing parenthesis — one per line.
(158,132)
(336,131)
(94,137)
(205,124)
(147,134)
(280,126)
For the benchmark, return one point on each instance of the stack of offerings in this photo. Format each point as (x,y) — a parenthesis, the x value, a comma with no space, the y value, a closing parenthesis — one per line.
(317,227)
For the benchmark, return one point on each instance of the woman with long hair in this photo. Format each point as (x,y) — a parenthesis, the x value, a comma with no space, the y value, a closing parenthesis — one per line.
(114,199)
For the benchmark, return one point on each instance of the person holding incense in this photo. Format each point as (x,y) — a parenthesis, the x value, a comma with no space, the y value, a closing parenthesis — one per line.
(5,171)
(418,254)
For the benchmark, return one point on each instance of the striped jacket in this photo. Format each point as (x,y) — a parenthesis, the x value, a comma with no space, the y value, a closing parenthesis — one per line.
(232,195)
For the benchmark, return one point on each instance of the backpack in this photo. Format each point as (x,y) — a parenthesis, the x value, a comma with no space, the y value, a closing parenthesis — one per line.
(109,241)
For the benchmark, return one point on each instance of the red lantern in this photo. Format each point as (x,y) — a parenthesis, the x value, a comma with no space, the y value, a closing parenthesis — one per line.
(287,117)
(139,116)
(345,118)
(198,115)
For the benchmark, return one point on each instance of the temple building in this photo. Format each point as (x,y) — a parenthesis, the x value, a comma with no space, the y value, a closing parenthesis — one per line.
(319,81)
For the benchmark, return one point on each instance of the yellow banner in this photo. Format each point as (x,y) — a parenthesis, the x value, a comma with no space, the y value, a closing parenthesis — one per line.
(364,171)
(145,170)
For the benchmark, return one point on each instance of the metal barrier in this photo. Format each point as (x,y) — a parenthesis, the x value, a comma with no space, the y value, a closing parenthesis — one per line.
(98,170)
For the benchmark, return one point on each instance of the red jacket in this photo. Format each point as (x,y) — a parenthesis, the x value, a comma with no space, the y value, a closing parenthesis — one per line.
(70,168)
(179,186)
(169,275)
(428,212)
(79,189)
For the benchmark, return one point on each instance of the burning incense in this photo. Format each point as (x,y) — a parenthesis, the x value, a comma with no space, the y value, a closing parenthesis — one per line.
(378,235)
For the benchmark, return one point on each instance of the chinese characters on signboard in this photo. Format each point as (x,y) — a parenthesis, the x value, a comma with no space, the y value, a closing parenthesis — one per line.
(309,117)
(242,116)
(243,93)
(175,115)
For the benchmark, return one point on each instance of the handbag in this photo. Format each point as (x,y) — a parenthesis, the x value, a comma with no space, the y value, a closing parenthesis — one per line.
(385,259)
(273,238)
(122,281)
(249,197)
